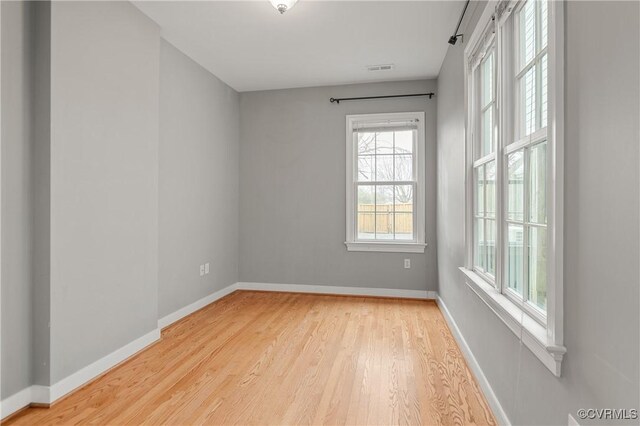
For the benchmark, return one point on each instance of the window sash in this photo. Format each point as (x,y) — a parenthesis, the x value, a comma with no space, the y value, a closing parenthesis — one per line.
(522,299)
(357,212)
(483,158)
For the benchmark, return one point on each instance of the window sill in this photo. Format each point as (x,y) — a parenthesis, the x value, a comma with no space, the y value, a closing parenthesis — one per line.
(386,247)
(534,335)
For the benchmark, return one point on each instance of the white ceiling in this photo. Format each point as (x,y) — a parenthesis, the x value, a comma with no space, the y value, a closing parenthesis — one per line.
(250,46)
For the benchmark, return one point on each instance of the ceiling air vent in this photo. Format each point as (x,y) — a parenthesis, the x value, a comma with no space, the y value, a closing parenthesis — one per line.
(385,67)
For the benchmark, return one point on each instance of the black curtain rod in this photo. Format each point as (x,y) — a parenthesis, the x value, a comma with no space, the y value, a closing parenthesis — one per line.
(454,38)
(411,95)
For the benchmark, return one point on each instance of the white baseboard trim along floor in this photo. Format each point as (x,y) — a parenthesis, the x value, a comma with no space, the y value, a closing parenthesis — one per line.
(37,394)
(346,291)
(492,399)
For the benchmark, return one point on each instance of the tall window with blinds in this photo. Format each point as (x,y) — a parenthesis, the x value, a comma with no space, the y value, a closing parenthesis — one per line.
(514,68)
(384,182)
(511,148)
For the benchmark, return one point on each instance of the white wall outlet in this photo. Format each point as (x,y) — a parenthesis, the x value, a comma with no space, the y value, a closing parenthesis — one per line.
(206,268)
(407,263)
(201,270)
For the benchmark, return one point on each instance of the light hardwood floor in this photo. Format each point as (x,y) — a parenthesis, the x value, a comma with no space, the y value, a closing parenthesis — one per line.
(283,358)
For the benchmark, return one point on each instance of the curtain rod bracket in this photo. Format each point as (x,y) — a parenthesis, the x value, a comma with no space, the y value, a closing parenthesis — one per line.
(454,38)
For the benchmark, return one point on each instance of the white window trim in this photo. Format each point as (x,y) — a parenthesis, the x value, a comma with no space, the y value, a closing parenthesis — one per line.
(417,246)
(546,342)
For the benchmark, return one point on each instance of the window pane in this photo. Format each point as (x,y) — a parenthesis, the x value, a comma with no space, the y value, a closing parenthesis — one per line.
(384,143)
(403,225)
(404,142)
(538,266)
(528,101)
(384,224)
(479,191)
(366,143)
(487,132)
(490,189)
(404,167)
(486,95)
(543,95)
(366,165)
(384,197)
(404,198)
(515,186)
(366,226)
(366,212)
(527,32)
(366,201)
(538,183)
(384,168)
(515,257)
(490,238)
(404,212)
(384,211)
(479,254)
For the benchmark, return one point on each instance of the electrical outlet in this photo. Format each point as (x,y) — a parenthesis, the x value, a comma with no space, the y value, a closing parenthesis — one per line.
(201,270)
(407,263)
(206,268)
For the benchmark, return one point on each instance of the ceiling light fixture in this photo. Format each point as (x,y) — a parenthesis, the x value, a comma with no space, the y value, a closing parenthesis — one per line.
(283,5)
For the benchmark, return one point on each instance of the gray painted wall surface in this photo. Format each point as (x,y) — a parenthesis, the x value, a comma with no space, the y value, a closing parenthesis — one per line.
(199,162)
(17,203)
(41,254)
(104,180)
(292,189)
(601,295)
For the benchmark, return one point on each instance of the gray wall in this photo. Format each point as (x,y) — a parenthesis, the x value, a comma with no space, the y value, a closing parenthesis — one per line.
(104,180)
(199,162)
(16,215)
(41,254)
(601,296)
(292,189)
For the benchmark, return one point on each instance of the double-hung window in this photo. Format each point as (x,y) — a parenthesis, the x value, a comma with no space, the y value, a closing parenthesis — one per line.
(514,73)
(385,182)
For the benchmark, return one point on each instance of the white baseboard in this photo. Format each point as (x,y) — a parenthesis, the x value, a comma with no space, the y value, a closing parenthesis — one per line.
(198,304)
(348,291)
(49,394)
(15,402)
(34,394)
(91,371)
(40,394)
(492,399)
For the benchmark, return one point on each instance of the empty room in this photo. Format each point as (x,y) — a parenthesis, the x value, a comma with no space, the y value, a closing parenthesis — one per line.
(320,212)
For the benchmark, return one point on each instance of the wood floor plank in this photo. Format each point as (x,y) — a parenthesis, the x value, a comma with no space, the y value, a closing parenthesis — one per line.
(255,358)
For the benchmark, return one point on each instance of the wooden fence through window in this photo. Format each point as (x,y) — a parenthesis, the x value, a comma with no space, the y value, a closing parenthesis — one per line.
(383,219)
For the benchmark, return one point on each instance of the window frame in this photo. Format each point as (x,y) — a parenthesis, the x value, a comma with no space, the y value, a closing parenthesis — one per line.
(417,245)
(543,334)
